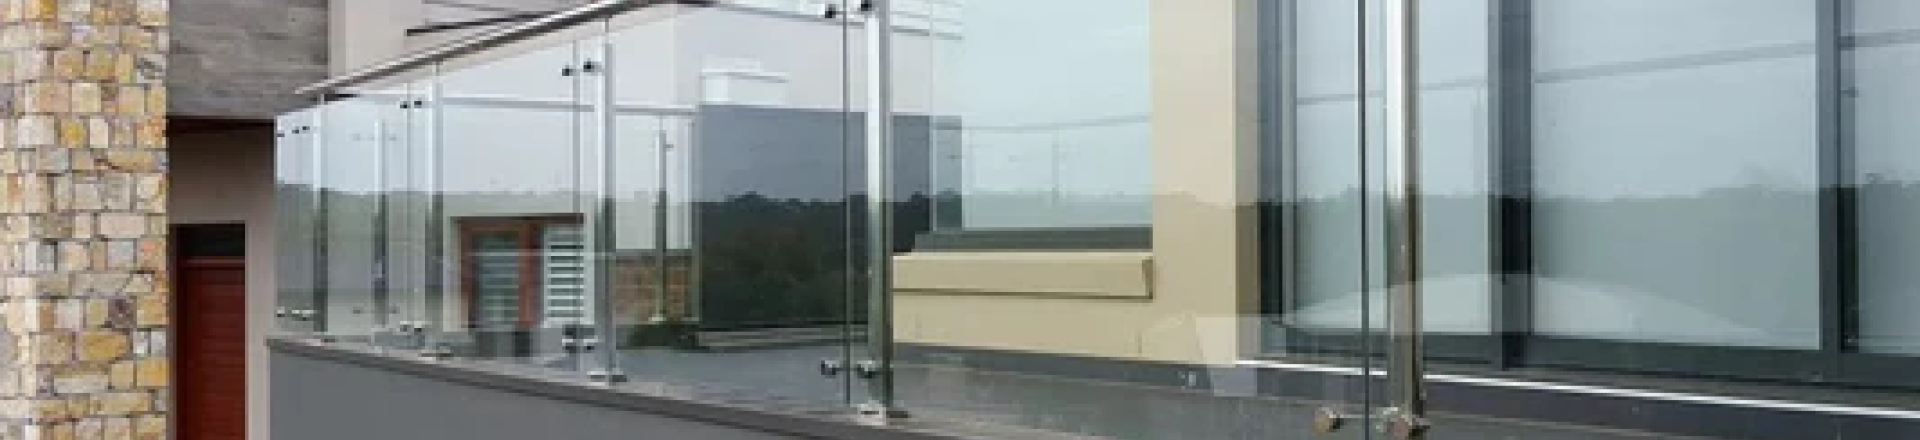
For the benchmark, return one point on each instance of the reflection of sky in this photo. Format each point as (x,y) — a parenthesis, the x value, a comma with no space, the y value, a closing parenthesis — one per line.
(1886,137)
(1055,100)
(1571,33)
(1636,132)
(1040,62)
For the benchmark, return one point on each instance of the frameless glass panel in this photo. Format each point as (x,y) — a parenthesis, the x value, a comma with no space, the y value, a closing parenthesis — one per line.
(1333,232)
(402,164)
(513,201)
(350,186)
(730,156)
(294,215)
(1883,60)
(1668,137)
(1328,234)
(1053,115)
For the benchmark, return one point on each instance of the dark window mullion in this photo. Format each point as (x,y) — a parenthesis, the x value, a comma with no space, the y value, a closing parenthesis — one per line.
(1511,222)
(1837,235)
(1279,59)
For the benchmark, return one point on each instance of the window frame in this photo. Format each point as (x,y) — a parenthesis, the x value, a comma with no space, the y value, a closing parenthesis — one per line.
(1512,343)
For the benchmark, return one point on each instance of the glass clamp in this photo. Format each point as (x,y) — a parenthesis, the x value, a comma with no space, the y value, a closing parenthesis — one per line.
(1329,420)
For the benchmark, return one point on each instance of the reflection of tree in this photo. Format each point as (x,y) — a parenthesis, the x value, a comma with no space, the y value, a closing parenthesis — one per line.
(781,262)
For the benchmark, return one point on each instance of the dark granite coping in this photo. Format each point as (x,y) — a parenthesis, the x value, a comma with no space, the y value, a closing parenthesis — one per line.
(673,400)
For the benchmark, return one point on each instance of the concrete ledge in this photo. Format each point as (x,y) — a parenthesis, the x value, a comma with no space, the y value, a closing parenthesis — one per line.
(1103,275)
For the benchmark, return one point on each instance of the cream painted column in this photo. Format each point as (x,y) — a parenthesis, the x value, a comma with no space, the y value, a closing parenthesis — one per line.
(1193,297)
(83,220)
(1205,144)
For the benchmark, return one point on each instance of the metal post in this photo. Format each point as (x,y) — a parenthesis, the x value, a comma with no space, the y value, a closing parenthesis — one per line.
(437,271)
(879,370)
(660,247)
(382,284)
(599,219)
(1406,420)
(317,311)
(600,244)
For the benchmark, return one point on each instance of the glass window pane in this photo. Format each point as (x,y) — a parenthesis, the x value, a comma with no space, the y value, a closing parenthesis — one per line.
(1454,169)
(1676,163)
(1884,63)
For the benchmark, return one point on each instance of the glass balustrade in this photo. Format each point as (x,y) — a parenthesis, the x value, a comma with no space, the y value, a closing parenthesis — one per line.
(1146,219)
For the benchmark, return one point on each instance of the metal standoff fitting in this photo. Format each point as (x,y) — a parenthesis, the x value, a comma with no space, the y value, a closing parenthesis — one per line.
(868,369)
(1402,425)
(1329,420)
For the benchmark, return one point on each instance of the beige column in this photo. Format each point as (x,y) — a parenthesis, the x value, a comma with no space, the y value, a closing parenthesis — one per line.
(83,246)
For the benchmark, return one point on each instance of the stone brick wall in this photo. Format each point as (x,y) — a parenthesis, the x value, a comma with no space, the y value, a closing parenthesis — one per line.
(636,288)
(83,271)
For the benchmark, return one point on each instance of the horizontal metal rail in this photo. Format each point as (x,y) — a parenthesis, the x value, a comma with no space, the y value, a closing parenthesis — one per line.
(596,10)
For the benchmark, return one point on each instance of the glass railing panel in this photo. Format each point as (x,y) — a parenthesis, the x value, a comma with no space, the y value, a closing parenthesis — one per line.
(731,210)
(1090,274)
(405,206)
(350,300)
(1114,223)
(512,200)
(295,226)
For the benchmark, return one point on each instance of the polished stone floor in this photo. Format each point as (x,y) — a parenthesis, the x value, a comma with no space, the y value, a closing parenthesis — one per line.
(943,397)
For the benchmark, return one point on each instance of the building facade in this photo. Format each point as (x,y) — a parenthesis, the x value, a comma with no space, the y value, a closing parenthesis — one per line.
(945,219)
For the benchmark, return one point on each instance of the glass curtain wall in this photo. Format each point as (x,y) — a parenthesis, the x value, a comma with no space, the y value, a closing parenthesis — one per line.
(1697,188)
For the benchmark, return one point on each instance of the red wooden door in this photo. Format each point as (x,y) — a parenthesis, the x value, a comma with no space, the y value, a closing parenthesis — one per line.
(211,358)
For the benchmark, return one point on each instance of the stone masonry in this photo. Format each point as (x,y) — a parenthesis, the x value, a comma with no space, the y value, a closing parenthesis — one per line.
(84,294)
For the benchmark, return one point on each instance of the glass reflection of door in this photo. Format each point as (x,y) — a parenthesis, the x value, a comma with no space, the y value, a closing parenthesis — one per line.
(524,273)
